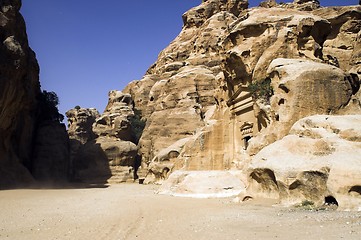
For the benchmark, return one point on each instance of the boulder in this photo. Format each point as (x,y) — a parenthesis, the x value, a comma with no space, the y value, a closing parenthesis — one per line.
(203,184)
(319,161)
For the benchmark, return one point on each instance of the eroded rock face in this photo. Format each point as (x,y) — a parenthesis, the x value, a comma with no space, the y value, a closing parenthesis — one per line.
(318,159)
(80,123)
(114,122)
(102,145)
(19,87)
(198,15)
(200,111)
(301,88)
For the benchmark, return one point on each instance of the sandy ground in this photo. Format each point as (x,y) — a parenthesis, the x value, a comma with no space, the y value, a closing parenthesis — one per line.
(132,211)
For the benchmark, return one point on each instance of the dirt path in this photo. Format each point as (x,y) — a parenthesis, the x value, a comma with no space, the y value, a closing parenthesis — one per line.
(131,211)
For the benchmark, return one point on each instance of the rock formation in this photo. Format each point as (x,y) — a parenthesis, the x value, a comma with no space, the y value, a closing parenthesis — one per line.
(236,80)
(197,99)
(318,160)
(25,151)
(103,148)
(299,91)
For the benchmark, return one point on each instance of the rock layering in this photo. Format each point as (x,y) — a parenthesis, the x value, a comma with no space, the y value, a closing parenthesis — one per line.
(236,80)
(25,151)
(102,145)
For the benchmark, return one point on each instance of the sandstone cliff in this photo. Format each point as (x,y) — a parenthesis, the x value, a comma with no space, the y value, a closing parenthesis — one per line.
(230,90)
(203,99)
(25,151)
(239,89)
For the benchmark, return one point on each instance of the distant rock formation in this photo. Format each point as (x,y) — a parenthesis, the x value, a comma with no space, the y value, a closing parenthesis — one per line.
(25,151)
(103,148)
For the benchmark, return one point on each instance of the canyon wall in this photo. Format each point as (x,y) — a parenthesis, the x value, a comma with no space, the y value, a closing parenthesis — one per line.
(19,80)
(235,80)
(26,151)
(268,95)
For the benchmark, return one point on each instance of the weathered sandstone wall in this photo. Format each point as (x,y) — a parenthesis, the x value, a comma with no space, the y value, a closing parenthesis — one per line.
(197,99)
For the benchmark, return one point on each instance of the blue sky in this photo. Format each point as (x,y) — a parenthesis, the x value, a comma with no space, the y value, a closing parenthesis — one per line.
(86,48)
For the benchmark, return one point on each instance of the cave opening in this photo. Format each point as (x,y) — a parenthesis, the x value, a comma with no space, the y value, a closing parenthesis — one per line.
(330,200)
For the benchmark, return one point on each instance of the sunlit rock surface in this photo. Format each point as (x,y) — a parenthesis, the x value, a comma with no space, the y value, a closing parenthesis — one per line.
(201,113)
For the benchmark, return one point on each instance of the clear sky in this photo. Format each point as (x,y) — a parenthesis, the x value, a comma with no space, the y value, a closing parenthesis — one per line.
(87,47)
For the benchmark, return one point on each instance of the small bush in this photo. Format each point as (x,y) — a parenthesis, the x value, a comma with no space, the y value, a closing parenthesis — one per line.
(137,124)
(48,107)
(306,203)
(261,90)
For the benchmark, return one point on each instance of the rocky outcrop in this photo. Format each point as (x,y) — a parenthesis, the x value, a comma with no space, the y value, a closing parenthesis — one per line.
(102,145)
(198,15)
(268,3)
(80,123)
(306,5)
(319,161)
(209,93)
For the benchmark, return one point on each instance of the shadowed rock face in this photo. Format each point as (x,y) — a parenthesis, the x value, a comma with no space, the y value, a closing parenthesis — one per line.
(51,153)
(19,87)
(30,146)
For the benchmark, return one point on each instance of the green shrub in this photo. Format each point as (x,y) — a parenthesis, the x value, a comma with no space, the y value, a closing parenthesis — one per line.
(306,203)
(261,90)
(48,107)
(137,124)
